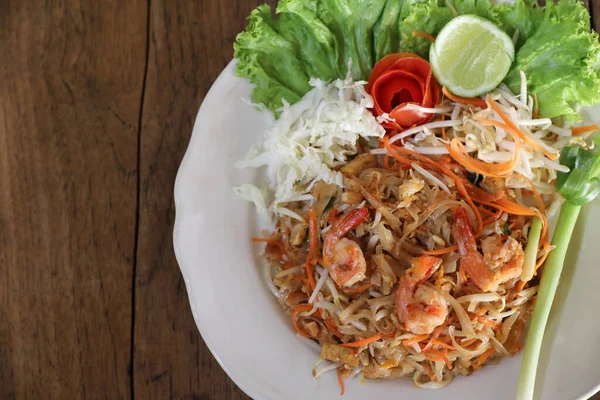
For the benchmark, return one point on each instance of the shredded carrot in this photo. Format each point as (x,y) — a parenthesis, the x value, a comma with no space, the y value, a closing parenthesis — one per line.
(444,128)
(584,129)
(431,207)
(424,36)
(459,153)
(520,286)
(483,358)
(486,321)
(340,381)
(358,289)
(435,355)
(429,372)
(386,161)
(313,251)
(363,342)
(509,207)
(436,333)
(298,309)
(294,296)
(440,167)
(515,129)
(331,326)
(439,252)
(477,102)
(541,261)
(414,339)
(478,193)
(486,211)
(469,342)
(493,218)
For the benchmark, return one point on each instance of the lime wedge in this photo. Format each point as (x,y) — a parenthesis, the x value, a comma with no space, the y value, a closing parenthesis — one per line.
(471,56)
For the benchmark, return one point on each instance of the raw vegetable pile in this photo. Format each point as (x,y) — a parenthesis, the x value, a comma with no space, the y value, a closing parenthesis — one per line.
(316,38)
(398,119)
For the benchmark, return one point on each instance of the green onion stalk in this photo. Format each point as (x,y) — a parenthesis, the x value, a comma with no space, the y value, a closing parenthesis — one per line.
(578,186)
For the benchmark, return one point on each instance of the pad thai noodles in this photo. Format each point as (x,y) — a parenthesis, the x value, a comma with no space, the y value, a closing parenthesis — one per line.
(385,272)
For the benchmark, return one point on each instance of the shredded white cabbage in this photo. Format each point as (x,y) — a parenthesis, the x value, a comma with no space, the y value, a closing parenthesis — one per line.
(310,138)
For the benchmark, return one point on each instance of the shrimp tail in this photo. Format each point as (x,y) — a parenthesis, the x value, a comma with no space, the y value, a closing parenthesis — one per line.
(470,258)
(465,238)
(350,221)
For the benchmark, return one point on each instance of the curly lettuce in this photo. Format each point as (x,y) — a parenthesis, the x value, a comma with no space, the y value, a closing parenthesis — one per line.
(318,38)
(561,61)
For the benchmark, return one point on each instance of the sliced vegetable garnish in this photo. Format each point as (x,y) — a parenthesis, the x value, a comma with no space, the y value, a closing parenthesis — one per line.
(398,81)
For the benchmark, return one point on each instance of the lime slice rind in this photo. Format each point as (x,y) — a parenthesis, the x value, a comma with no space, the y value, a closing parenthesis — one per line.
(471,56)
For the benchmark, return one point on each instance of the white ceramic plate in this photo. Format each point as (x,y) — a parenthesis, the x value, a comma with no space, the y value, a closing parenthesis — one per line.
(252,339)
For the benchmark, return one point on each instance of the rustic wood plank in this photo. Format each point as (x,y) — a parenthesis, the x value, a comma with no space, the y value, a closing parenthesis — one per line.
(70,90)
(594,8)
(190,43)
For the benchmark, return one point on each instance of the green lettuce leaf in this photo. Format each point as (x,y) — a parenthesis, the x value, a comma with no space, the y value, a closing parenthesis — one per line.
(270,62)
(385,32)
(298,23)
(426,16)
(524,16)
(561,61)
(317,38)
(352,23)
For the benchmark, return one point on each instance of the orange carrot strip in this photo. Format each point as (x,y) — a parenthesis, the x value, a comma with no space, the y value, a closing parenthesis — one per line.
(415,339)
(340,381)
(363,342)
(477,102)
(526,138)
(483,358)
(298,309)
(436,332)
(359,289)
(429,372)
(459,153)
(444,128)
(469,342)
(493,218)
(445,250)
(486,321)
(331,326)
(424,36)
(584,129)
(293,296)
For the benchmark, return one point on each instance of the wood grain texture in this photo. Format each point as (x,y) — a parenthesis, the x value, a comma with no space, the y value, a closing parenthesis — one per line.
(70,89)
(190,43)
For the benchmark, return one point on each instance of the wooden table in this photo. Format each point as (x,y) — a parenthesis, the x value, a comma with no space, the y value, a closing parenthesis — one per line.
(97,103)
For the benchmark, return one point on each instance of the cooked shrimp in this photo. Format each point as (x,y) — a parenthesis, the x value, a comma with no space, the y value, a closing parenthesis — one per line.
(504,260)
(420,308)
(341,256)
